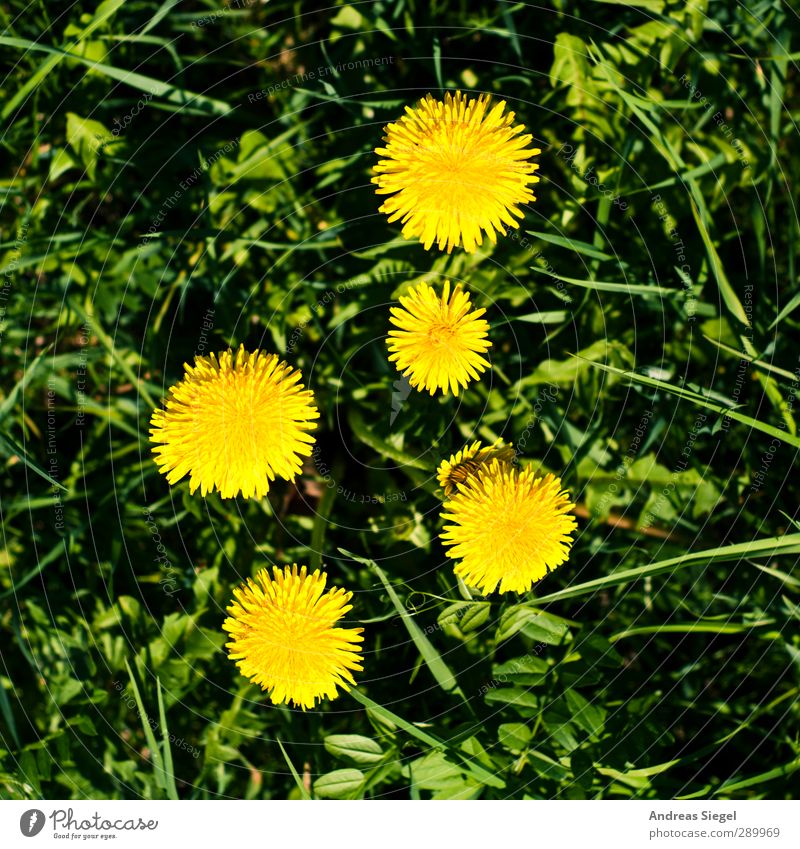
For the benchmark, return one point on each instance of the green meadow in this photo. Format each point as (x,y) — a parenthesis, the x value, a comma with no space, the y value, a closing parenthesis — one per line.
(180,177)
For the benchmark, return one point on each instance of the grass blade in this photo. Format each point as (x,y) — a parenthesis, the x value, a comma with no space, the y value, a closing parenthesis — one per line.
(692,628)
(602,286)
(108,343)
(22,384)
(480,773)
(60,549)
(575,245)
(297,780)
(356,421)
(770,547)
(743,355)
(104,11)
(164,779)
(9,448)
(131,78)
(777,772)
(433,660)
(8,716)
(703,401)
(697,202)
(169,767)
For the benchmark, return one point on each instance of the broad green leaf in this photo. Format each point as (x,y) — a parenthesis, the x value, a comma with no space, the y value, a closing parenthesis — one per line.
(434,772)
(570,66)
(466,616)
(557,719)
(514,736)
(519,697)
(546,766)
(361,750)
(527,671)
(589,715)
(339,784)
(88,138)
(537,624)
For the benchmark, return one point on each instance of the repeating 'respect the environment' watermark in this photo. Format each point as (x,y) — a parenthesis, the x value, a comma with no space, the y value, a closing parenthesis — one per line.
(170,575)
(682,267)
(349,495)
(684,270)
(10,269)
(230,6)
(131,704)
(769,455)
(680,467)
(718,118)
(81,373)
(318,74)
(628,459)
(568,153)
(53,467)
(547,395)
(183,186)
(515,667)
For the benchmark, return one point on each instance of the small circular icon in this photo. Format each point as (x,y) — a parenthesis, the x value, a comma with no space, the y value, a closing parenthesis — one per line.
(31,822)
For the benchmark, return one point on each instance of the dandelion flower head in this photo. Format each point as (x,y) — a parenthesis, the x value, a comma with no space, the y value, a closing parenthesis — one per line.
(455,170)
(285,639)
(234,423)
(507,527)
(438,340)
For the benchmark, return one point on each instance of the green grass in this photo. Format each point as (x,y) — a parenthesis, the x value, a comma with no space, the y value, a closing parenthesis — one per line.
(179,177)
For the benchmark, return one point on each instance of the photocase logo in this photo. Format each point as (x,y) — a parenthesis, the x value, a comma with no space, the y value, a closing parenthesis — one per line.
(31,822)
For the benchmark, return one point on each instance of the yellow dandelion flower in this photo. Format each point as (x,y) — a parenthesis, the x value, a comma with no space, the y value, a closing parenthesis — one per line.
(283,636)
(455,169)
(506,526)
(469,460)
(234,423)
(439,340)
